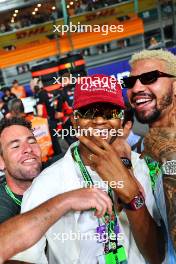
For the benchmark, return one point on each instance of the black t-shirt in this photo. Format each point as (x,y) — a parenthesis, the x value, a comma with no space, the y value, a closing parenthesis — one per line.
(8,208)
(69,94)
(62,98)
(6,98)
(43,98)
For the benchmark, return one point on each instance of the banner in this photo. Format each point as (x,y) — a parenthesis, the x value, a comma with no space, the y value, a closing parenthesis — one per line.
(35,35)
(41,132)
(100,34)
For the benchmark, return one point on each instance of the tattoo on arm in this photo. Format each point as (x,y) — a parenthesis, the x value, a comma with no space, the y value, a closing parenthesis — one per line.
(169,183)
(160,144)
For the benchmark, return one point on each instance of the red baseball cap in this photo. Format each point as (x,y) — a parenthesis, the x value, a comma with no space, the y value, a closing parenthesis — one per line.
(97,88)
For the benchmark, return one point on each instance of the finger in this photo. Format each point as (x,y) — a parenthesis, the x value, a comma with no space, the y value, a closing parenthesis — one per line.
(94,160)
(98,208)
(102,143)
(96,144)
(98,205)
(104,197)
(102,208)
(90,145)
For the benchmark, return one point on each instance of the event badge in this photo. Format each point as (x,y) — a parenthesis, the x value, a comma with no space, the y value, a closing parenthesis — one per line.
(116,230)
(101,234)
(115,257)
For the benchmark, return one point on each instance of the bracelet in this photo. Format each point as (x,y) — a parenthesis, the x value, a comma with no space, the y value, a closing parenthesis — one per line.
(169,167)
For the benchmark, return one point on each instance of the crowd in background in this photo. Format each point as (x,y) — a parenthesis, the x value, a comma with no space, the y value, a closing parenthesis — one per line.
(28,19)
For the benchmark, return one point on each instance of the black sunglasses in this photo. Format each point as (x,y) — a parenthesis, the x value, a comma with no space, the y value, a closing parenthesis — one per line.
(145,78)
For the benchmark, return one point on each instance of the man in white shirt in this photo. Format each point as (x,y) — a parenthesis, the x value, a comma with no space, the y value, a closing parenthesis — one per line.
(79,237)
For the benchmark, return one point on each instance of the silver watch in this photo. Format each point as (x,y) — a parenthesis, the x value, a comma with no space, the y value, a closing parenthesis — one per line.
(169,167)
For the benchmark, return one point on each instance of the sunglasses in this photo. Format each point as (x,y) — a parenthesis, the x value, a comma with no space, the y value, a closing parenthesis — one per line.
(145,78)
(99,111)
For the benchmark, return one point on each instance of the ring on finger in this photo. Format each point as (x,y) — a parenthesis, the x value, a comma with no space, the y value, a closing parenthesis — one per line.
(90,157)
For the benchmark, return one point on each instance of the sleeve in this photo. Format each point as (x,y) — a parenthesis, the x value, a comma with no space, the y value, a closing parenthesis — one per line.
(60,102)
(42,97)
(31,199)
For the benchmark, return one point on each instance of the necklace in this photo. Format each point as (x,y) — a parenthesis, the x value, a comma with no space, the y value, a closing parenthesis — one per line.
(10,193)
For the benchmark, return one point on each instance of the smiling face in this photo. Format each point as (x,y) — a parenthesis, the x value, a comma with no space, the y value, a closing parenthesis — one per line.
(105,128)
(20,152)
(151,101)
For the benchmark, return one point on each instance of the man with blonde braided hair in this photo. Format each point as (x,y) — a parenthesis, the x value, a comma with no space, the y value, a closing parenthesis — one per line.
(152,94)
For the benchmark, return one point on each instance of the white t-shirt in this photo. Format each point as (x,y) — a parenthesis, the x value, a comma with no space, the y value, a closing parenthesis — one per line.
(63,176)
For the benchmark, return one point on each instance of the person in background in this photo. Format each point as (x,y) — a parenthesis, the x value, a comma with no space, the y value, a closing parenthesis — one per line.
(64,105)
(134,140)
(8,95)
(16,108)
(154,44)
(18,90)
(45,108)
(3,108)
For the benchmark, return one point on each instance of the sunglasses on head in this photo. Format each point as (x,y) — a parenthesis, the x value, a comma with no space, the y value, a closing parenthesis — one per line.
(145,78)
(99,111)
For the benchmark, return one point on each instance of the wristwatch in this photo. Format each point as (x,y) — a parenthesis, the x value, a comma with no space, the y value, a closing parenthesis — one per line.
(136,203)
(169,167)
(126,162)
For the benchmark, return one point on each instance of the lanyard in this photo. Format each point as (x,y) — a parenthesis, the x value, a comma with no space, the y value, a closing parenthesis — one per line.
(110,222)
(10,193)
(154,170)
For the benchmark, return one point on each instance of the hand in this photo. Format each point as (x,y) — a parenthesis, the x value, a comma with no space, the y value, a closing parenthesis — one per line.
(122,148)
(59,115)
(105,161)
(90,198)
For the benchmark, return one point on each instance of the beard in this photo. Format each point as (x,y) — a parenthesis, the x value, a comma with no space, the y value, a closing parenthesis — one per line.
(147,119)
(155,114)
(25,174)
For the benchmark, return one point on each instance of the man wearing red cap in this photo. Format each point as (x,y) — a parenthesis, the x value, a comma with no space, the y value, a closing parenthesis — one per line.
(82,237)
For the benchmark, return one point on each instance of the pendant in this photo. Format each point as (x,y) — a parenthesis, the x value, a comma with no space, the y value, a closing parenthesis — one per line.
(101,234)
